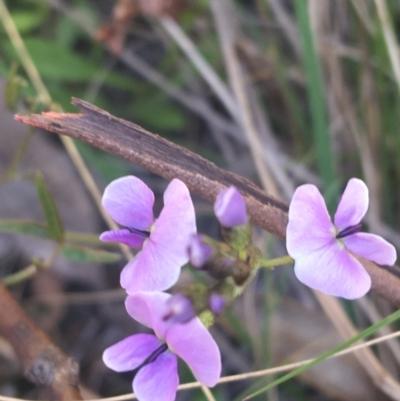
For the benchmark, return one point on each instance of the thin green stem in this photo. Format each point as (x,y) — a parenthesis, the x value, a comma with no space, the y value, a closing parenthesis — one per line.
(271,263)
(22,275)
(24,56)
(31,270)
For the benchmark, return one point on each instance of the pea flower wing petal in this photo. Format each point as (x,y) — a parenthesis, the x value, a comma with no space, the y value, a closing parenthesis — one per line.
(353,205)
(194,344)
(372,247)
(130,352)
(123,236)
(310,227)
(333,271)
(129,201)
(158,380)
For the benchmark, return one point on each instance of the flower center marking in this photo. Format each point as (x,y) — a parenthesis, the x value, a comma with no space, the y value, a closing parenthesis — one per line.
(162,348)
(142,233)
(152,357)
(349,231)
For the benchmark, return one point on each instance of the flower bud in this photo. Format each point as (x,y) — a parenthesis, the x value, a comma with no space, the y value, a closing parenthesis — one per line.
(230,208)
(179,309)
(199,251)
(216,303)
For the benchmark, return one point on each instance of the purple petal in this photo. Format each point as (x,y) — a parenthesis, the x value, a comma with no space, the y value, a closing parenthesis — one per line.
(175,225)
(148,308)
(333,271)
(371,247)
(179,309)
(194,344)
(123,236)
(131,352)
(230,208)
(129,201)
(158,380)
(353,205)
(149,270)
(199,252)
(158,265)
(309,227)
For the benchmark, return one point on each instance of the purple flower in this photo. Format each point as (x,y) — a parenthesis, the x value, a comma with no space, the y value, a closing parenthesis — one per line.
(155,356)
(129,201)
(323,251)
(230,208)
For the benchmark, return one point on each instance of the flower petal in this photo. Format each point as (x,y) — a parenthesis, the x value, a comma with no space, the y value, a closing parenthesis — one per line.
(371,247)
(175,225)
(333,271)
(123,236)
(148,308)
(353,205)
(158,265)
(149,271)
(195,345)
(230,208)
(310,227)
(129,201)
(130,352)
(158,380)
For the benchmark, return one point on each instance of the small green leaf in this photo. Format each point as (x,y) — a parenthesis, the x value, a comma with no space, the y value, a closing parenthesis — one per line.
(25,227)
(14,86)
(83,254)
(55,227)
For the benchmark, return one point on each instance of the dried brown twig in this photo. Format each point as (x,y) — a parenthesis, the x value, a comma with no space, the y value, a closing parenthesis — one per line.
(131,142)
(43,363)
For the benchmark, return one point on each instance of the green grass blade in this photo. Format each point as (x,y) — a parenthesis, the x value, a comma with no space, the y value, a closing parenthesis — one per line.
(320,125)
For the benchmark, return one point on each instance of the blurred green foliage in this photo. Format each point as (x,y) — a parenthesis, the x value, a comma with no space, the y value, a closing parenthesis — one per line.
(73,65)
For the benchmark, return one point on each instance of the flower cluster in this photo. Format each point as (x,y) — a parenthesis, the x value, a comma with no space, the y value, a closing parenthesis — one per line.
(325,253)
(129,201)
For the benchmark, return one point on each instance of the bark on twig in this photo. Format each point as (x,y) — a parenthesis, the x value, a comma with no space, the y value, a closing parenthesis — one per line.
(133,143)
(43,363)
